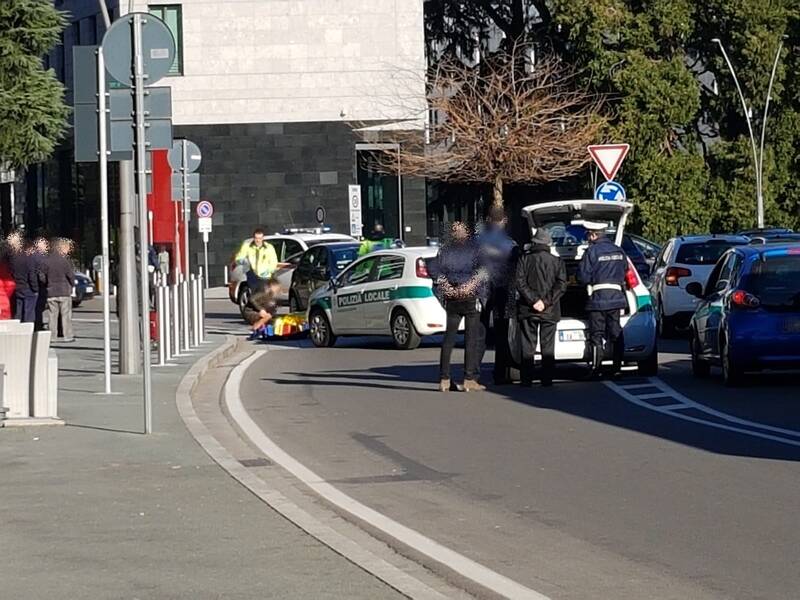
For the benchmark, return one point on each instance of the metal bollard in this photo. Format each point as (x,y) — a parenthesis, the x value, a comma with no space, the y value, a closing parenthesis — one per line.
(167,322)
(202,305)
(185,316)
(162,329)
(194,310)
(176,318)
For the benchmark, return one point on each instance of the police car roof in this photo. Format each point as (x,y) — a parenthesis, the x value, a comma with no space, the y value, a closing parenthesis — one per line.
(725,237)
(409,251)
(310,236)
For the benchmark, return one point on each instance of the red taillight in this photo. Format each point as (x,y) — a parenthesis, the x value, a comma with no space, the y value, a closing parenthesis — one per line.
(422,269)
(674,274)
(744,299)
(631,277)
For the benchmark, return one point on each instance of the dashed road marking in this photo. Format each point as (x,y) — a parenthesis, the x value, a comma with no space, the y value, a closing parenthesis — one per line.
(628,391)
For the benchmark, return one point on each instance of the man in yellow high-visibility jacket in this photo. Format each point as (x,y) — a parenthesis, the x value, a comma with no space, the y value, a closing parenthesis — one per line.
(259,256)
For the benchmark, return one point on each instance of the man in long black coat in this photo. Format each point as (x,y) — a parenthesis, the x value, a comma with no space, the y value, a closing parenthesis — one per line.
(541,280)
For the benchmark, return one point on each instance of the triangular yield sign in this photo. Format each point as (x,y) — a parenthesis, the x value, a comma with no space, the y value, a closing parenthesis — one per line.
(609,158)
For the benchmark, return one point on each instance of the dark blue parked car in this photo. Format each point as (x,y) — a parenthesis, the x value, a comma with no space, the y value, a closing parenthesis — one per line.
(748,318)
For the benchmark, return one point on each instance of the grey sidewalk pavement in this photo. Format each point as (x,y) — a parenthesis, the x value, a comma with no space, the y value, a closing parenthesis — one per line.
(96,510)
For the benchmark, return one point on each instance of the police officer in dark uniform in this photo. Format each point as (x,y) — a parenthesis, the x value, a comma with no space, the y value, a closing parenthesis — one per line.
(602,270)
(498,256)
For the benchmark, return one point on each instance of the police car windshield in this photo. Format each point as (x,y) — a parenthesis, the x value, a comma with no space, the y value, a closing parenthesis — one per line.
(343,257)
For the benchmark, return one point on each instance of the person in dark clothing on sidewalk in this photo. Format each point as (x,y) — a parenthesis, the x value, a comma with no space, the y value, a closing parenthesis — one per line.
(461,289)
(499,255)
(25,270)
(541,281)
(59,279)
(602,270)
(40,252)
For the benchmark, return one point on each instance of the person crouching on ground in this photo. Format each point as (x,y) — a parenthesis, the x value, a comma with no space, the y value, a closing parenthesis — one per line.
(462,286)
(541,281)
(262,306)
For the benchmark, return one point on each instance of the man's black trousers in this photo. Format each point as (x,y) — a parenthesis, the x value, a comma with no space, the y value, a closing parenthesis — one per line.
(536,330)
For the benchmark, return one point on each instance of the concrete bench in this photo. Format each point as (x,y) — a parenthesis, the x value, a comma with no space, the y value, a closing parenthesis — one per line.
(29,372)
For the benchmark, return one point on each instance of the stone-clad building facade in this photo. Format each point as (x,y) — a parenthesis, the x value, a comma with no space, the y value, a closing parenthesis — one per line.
(271,91)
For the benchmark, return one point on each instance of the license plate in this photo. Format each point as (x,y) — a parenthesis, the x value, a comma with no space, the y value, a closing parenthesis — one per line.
(791,326)
(575,335)
(89,289)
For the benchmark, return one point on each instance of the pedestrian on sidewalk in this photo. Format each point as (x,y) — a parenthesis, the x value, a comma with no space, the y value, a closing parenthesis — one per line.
(7,284)
(499,254)
(41,249)
(26,277)
(59,280)
(461,285)
(262,306)
(541,280)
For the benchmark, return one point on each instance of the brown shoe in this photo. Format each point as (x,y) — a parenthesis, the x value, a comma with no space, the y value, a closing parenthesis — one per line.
(470,385)
(444,385)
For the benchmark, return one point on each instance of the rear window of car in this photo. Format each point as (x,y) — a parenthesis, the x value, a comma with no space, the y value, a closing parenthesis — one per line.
(343,257)
(703,253)
(776,281)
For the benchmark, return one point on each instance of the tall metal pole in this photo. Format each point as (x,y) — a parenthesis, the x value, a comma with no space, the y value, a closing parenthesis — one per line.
(186,204)
(178,242)
(764,132)
(205,260)
(759,197)
(104,224)
(141,188)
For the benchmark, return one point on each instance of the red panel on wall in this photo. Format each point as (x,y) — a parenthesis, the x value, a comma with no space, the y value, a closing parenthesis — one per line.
(164,210)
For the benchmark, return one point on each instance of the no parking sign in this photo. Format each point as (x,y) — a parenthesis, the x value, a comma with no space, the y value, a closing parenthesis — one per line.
(205,210)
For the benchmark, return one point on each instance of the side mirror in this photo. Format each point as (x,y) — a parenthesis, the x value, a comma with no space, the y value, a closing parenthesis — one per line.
(695,289)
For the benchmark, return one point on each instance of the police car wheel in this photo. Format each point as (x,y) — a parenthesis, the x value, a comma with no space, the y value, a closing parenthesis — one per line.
(319,329)
(404,336)
(649,366)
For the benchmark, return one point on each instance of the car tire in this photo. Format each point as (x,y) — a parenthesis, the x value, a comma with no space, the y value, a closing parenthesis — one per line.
(244,298)
(700,368)
(732,374)
(666,325)
(319,329)
(649,366)
(294,303)
(404,334)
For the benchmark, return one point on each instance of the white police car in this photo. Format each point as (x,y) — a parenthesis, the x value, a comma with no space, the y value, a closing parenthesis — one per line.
(387,292)
(564,221)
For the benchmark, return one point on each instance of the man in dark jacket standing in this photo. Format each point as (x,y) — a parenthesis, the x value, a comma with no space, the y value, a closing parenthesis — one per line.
(498,257)
(541,281)
(25,269)
(602,270)
(59,279)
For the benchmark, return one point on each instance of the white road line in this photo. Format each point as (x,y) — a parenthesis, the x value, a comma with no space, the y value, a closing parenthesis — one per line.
(451,559)
(653,396)
(790,437)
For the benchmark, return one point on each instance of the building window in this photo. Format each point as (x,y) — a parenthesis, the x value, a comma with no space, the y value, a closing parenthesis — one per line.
(172,15)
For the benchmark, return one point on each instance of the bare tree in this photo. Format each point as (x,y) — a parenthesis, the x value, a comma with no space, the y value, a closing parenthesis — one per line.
(508,120)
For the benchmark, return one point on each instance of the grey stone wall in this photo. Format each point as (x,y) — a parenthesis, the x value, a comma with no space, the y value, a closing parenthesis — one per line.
(274,175)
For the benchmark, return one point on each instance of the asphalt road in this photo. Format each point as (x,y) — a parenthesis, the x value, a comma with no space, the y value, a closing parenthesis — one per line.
(582,491)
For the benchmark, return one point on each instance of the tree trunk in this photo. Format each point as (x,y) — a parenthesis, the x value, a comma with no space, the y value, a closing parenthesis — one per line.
(498,191)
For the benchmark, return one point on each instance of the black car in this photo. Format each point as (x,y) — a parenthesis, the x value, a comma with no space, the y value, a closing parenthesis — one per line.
(83,290)
(636,251)
(318,266)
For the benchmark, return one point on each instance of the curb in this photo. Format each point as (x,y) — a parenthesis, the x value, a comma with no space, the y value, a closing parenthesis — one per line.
(348,549)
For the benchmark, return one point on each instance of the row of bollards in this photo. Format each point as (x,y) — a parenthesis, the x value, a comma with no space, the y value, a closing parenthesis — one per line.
(179,317)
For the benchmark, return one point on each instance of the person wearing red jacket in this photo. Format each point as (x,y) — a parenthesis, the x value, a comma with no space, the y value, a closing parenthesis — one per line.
(7,287)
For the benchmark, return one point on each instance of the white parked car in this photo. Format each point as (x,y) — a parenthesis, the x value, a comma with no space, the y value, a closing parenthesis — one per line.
(289,246)
(683,260)
(387,292)
(564,221)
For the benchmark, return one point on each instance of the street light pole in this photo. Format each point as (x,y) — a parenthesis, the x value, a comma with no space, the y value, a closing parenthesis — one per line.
(758,153)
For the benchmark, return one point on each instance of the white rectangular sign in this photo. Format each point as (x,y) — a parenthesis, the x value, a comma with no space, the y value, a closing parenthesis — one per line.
(204,224)
(354,206)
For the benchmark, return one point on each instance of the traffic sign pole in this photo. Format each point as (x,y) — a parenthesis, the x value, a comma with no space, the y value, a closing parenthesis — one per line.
(141,189)
(205,258)
(102,144)
(186,204)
